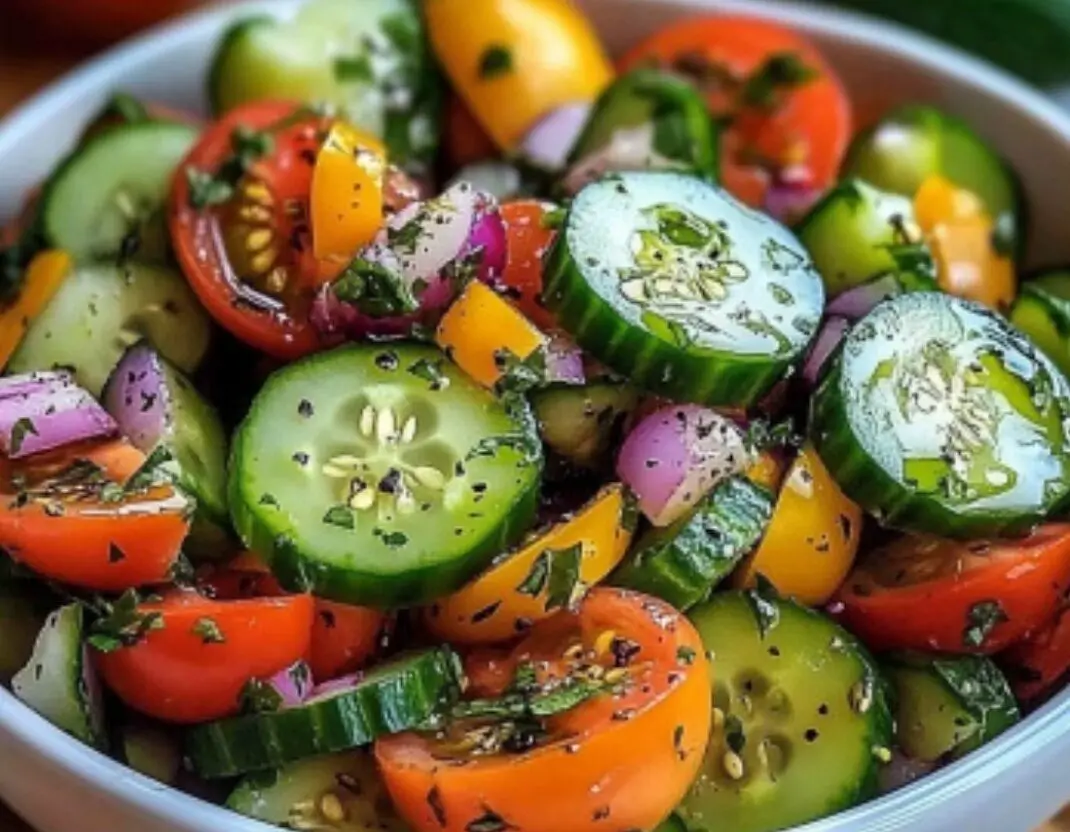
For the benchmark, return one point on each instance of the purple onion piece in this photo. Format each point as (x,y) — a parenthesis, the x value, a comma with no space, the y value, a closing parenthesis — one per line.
(335,686)
(293,685)
(857,302)
(630,148)
(136,395)
(828,339)
(548,143)
(43,411)
(790,203)
(564,360)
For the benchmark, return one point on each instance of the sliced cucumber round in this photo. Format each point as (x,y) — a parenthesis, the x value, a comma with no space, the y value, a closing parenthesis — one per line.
(938,416)
(676,285)
(382,475)
(388,699)
(915,142)
(59,682)
(857,232)
(304,795)
(371,60)
(683,562)
(101,310)
(1042,311)
(162,414)
(681,135)
(106,199)
(584,424)
(947,706)
(801,722)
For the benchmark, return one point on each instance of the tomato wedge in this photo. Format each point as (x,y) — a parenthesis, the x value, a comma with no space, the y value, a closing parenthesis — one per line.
(249,257)
(1039,661)
(621,760)
(954,597)
(344,637)
(803,127)
(65,516)
(193,668)
(527,241)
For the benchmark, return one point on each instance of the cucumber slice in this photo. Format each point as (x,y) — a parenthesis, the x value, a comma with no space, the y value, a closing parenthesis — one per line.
(687,292)
(856,233)
(1042,311)
(59,681)
(20,622)
(801,719)
(390,698)
(304,795)
(584,424)
(948,706)
(683,562)
(106,199)
(160,412)
(370,59)
(100,310)
(382,475)
(938,416)
(152,750)
(916,141)
(671,824)
(660,110)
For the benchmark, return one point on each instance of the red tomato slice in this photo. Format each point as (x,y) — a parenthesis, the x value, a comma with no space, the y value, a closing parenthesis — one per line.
(1036,663)
(250,259)
(807,130)
(955,597)
(64,516)
(344,637)
(194,667)
(527,241)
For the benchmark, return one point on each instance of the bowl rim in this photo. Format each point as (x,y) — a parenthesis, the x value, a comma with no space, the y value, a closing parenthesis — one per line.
(894,812)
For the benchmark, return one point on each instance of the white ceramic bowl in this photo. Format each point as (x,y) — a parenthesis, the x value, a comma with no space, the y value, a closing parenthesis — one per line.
(1010,785)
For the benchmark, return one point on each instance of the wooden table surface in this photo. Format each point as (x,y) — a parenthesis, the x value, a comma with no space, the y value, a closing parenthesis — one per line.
(23,71)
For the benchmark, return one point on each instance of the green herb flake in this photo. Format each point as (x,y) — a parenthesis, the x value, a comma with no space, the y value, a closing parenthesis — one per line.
(375,290)
(554,219)
(205,190)
(685,655)
(431,372)
(341,516)
(763,600)
(496,60)
(519,375)
(781,73)
(122,623)
(19,431)
(258,697)
(406,239)
(394,540)
(981,620)
(208,631)
(353,68)
(555,573)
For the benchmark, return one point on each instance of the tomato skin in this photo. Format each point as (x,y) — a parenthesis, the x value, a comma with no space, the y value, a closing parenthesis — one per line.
(465,141)
(1035,664)
(285,333)
(344,637)
(1027,578)
(120,544)
(527,241)
(811,128)
(177,675)
(636,769)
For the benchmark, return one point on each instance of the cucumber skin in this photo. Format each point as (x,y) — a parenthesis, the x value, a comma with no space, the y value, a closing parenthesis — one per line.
(684,568)
(642,357)
(222,52)
(374,707)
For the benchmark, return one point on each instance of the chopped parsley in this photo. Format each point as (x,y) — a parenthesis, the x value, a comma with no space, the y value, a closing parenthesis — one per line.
(555,573)
(122,623)
(375,290)
(495,61)
(782,72)
(981,620)
(208,631)
(19,431)
(341,516)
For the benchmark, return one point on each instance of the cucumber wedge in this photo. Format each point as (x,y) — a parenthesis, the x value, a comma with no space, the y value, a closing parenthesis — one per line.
(674,284)
(160,412)
(1042,311)
(59,681)
(938,416)
(390,698)
(682,563)
(801,722)
(106,199)
(856,233)
(303,795)
(947,706)
(101,310)
(369,59)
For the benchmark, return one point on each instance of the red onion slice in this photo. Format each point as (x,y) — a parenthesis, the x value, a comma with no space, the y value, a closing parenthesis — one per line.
(43,411)
(676,455)
(548,143)
(828,338)
(630,148)
(856,303)
(289,688)
(791,194)
(564,360)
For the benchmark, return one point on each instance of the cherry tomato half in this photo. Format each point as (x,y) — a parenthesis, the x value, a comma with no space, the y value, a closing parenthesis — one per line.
(921,593)
(65,516)
(628,756)
(805,128)
(1036,663)
(193,668)
(249,258)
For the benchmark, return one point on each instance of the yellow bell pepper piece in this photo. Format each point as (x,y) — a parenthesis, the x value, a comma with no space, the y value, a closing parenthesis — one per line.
(347,192)
(42,280)
(513,594)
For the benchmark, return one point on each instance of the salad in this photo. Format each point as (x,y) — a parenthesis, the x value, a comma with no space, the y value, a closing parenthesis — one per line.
(465,431)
